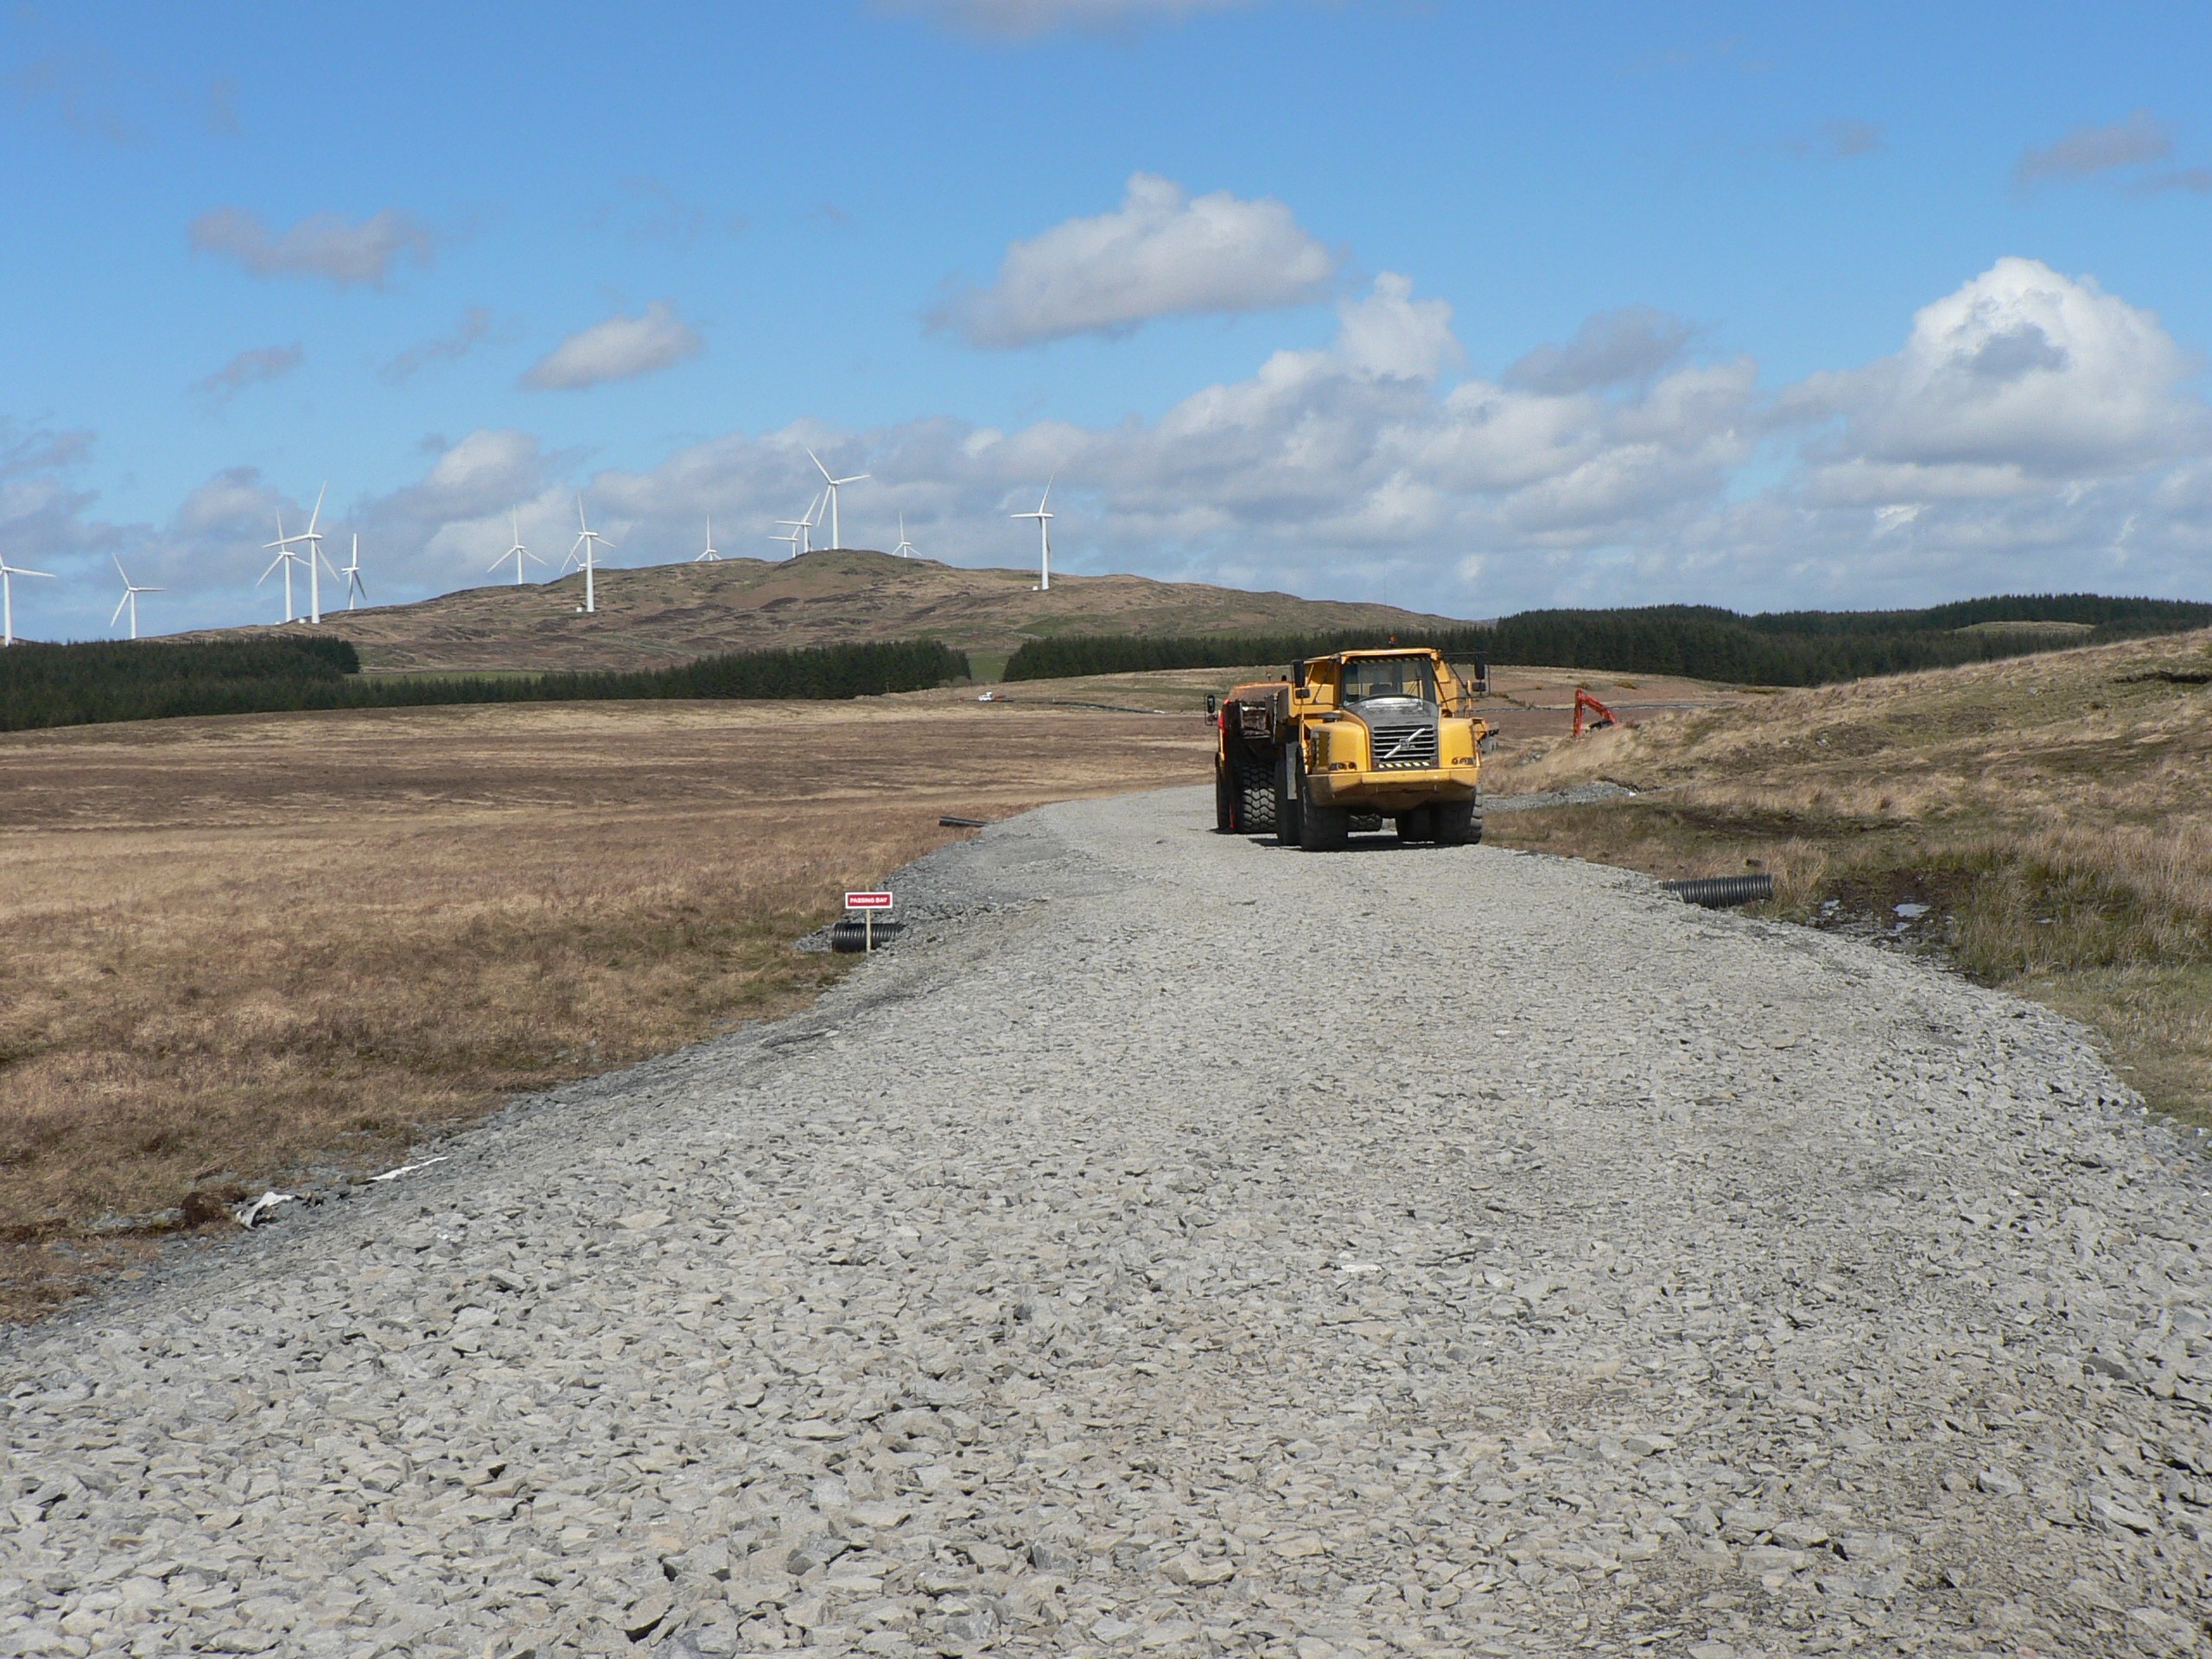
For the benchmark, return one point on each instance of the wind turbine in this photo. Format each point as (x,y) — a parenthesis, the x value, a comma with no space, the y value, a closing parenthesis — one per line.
(517,553)
(353,574)
(837,534)
(286,558)
(130,592)
(8,575)
(709,556)
(315,561)
(904,548)
(800,539)
(1045,533)
(589,541)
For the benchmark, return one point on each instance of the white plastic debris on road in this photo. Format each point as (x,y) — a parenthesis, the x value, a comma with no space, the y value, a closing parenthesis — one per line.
(254,1209)
(408,1169)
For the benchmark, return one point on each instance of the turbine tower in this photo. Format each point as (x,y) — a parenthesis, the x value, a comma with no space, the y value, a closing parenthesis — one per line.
(709,556)
(353,574)
(1044,535)
(313,537)
(517,553)
(589,541)
(130,592)
(287,558)
(8,575)
(905,550)
(837,534)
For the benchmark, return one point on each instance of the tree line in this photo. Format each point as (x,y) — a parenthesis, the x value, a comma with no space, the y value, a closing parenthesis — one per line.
(1700,642)
(44,685)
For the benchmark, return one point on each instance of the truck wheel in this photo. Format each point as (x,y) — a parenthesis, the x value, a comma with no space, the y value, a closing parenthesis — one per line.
(1457,823)
(1224,802)
(1323,828)
(1420,824)
(1255,797)
(1287,813)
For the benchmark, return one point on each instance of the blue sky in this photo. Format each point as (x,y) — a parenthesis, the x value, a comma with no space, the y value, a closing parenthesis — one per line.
(1475,306)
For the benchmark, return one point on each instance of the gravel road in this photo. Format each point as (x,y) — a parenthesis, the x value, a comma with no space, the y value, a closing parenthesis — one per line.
(1181,1246)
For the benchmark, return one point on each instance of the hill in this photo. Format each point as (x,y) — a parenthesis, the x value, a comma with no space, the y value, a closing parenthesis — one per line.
(2040,823)
(664,614)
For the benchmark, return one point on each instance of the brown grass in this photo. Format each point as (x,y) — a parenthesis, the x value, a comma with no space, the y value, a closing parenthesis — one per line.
(245,950)
(2051,809)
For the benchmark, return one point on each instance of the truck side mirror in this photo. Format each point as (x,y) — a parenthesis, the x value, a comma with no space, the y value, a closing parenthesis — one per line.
(1213,704)
(1298,673)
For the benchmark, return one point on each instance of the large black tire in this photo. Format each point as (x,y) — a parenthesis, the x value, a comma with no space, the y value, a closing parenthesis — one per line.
(1420,824)
(1323,828)
(1458,824)
(1255,798)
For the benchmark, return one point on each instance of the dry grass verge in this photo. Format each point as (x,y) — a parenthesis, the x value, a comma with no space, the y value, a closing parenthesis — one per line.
(244,950)
(2050,810)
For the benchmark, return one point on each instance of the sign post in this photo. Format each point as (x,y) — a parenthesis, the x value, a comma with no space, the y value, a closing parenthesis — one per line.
(868,903)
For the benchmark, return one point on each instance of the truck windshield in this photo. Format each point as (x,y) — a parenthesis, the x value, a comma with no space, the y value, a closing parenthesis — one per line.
(1389,676)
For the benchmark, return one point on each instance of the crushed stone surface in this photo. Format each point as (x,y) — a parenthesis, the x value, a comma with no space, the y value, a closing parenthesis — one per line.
(1581,795)
(1179,1245)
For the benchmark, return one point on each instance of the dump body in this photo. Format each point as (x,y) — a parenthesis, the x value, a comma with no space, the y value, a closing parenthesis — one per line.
(1345,741)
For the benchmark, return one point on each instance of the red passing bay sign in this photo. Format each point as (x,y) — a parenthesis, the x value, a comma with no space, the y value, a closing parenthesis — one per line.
(868,901)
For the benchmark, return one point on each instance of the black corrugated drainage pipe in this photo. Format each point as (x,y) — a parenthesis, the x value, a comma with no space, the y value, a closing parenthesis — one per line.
(1719,892)
(850,935)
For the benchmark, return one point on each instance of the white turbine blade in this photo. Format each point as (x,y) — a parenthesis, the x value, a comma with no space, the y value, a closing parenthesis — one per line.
(119,604)
(150,590)
(316,515)
(818,467)
(119,570)
(271,571)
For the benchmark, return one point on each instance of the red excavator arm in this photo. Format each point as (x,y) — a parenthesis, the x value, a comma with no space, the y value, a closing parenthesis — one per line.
(1601,715)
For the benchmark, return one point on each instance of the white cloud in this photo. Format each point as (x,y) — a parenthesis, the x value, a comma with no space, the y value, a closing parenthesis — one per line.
(485,472)
(2087,150)
(323,244)
(1611,349)
(621,348)
(2021,375)
(2033,431)
(250,368)
(1162,252)
(1020,19)
(474,324)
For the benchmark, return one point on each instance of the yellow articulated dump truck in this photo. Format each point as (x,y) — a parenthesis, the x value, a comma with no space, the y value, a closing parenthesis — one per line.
(1344,742)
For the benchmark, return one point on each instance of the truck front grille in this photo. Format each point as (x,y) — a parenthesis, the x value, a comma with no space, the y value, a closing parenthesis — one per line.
(1405,747)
